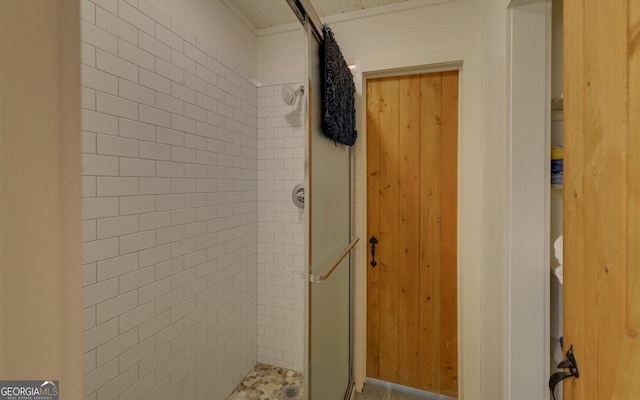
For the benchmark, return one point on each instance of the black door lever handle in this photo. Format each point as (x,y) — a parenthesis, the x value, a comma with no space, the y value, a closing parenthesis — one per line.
(373,242)
(571,364)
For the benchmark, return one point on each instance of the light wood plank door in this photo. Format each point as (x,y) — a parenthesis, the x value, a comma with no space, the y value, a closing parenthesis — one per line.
(602,197)
(412,147)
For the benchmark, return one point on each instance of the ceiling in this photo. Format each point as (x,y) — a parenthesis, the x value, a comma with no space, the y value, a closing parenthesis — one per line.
(263,14)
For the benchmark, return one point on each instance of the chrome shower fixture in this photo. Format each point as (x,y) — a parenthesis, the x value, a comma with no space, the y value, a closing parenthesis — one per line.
(289,95)
(297,195)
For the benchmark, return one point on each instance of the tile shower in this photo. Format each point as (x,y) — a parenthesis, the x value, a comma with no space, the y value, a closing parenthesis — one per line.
(192,248)
(280,229)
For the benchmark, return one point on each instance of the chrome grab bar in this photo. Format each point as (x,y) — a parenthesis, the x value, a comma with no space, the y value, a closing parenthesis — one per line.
(345,252)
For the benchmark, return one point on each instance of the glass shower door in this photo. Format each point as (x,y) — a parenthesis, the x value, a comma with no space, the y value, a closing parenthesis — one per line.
(328,245)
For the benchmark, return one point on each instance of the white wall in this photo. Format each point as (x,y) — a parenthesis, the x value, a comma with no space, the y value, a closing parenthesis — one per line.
(452,24)
(528,169)
(556,48)
(169,185)
(494,176)
(220,28)
(515,177)
(40,294)
(282,57)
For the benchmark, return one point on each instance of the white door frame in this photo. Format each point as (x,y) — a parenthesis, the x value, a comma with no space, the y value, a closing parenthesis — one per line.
(527,272)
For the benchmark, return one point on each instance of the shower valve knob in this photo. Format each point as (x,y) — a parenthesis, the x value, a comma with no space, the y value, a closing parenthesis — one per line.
(297,195)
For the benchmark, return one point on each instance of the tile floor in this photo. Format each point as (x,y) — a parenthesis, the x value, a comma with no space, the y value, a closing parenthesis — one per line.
(266,382)
(379,390)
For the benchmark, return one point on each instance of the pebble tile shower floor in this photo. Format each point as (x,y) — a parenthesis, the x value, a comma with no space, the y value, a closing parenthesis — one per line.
(266,382)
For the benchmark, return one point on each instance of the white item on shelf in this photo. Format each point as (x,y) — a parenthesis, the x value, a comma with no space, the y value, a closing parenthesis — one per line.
(558,246)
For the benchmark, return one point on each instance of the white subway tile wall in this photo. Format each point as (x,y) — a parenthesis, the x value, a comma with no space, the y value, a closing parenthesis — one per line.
(170,213)
(280,230)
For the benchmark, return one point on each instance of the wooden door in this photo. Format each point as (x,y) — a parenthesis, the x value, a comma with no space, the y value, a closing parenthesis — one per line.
(412,147)
(602,197)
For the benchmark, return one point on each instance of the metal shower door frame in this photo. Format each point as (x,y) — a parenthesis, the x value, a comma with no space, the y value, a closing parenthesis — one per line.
(312,28)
